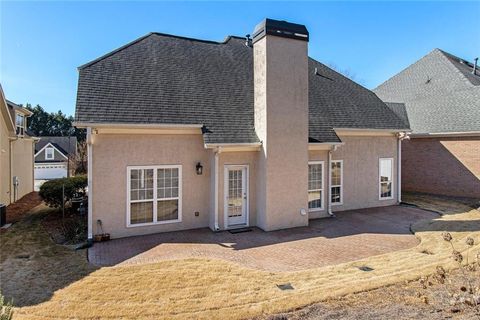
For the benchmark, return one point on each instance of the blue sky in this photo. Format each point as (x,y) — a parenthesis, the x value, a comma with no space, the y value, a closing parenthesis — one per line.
(43,43)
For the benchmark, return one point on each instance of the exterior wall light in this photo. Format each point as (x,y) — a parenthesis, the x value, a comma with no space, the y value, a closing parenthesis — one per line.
(199,168)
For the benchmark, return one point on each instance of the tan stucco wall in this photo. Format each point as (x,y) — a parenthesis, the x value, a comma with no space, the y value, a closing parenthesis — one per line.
(360,157)
(22,165)
(238,158)
(446,166)
(4,162)
(281,122)
(111,156)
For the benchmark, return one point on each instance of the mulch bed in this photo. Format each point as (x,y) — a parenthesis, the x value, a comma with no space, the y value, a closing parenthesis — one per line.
(55,224)
(16,211)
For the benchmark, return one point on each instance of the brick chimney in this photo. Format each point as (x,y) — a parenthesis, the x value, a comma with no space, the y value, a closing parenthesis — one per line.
(281,122)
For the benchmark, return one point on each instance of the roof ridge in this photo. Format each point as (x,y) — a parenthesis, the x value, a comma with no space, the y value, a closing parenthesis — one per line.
(88,64)
(450,63)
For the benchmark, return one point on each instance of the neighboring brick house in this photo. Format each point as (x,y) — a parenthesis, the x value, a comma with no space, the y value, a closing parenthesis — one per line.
(16,152)
(55,157)
(441,96)
(185,133)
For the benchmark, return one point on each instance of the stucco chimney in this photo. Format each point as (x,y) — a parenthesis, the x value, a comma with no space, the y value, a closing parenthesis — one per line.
(281,122)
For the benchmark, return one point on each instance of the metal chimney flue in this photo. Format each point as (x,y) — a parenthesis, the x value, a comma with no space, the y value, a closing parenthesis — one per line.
(475,61)
(248,41)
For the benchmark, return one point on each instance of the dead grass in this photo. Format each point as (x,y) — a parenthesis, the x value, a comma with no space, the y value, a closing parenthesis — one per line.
(214,289)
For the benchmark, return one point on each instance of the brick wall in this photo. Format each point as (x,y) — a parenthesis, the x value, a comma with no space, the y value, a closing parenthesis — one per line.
(448,166)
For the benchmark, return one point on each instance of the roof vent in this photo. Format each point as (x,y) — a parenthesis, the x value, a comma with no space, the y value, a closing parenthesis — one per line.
(475,61)
(248,41)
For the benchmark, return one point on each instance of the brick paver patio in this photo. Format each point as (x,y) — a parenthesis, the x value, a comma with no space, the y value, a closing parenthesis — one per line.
(352,235)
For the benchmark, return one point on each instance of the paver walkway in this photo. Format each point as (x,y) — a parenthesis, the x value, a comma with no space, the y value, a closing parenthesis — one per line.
(352,235)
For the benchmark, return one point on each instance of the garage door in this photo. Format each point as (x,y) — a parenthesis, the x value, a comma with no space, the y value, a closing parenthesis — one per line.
(50,171)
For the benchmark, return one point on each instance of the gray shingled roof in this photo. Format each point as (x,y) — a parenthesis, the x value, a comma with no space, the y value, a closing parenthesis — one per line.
(440,93)
(165,79)
(66,145)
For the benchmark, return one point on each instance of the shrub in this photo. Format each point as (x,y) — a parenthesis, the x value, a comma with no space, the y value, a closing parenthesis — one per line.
(51,191)
(6,309)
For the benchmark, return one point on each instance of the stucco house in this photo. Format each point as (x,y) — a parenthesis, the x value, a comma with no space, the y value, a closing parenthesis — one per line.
(440,95)
(185,133)
(54,157)
(16,152)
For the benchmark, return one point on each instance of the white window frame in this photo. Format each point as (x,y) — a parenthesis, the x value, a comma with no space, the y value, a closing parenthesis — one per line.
(46,153)
(155,199)
(22,133)
(336,185)
(322,192)
(380,182)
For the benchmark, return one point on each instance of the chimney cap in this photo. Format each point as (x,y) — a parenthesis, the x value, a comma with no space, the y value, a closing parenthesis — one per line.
(280,29)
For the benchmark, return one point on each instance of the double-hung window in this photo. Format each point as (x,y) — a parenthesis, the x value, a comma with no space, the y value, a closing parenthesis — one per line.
(385,178)
(49,153)
(336,180)
(315,185)
(154,195)
(20,124)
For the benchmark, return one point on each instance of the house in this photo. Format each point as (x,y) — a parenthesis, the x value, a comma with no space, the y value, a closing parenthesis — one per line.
(54,156)
(441,98)
(185,133)
(16,152)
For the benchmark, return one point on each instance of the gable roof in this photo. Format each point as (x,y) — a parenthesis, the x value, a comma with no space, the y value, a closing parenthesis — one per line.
(65,145)
(164,79)
(440,93)
(6,113)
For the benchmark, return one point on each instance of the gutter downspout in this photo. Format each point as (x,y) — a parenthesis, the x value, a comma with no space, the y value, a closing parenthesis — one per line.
(401,136)
(10,159)
(217,153)
(90,185)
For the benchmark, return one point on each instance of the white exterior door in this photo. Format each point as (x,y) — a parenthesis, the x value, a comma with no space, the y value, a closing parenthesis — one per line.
(236,195)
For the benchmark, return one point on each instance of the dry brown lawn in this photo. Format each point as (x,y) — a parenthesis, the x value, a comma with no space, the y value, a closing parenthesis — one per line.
(214,289)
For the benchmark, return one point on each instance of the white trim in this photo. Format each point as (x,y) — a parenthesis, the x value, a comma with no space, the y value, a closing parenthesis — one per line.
(322,196)
(445,134)
(333,186)
(90,182)
(215,196)
(137,125)
(380,182)
(371,130)
(399,170)
(52,146)
(323,145)
(246,188)
(234,147)
(155,198)
(24,123)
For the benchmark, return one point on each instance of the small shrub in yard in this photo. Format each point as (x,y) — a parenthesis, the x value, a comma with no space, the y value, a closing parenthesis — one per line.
(52,193)
(466,292)
(6,309)
(74,230)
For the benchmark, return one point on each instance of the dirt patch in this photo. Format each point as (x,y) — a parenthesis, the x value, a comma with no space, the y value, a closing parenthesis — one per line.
(67,230)
(16,211)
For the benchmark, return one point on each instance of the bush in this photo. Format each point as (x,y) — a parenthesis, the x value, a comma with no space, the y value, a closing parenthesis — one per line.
(6,309)
(51,191)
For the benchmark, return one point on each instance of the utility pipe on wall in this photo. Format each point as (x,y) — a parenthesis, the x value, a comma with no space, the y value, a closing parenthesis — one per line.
(217,153)
(90,185)
(401,137)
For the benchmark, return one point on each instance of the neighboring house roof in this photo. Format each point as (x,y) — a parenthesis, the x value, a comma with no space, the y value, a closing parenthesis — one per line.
(65,145)
(440,93)
(165,79)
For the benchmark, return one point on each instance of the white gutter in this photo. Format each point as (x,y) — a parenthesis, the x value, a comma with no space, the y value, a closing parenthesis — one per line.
(371,130)
(137,125)
(445,134)
(217,153)
(401,136)
(90,184)
(223,145)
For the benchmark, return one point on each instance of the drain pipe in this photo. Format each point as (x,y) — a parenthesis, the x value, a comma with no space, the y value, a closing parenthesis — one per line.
(401,136)
(217,153)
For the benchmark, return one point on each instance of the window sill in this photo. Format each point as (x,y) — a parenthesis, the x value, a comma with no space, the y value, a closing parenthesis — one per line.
(129,225)
(336,203)
(316,209)
(389,198)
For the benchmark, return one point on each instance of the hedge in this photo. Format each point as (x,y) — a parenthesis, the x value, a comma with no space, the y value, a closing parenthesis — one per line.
(51,191)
